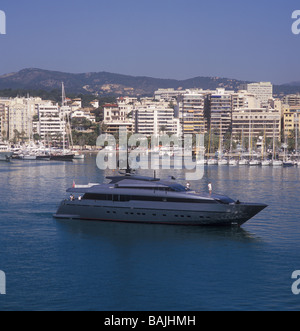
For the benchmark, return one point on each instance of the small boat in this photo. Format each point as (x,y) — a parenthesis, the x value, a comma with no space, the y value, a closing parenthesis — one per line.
(62,157)
(29,157)
(5,153)
(234,163)
(266,163)
(254,163)
(212,162)
(223,162)
(288,164)
(244,162)
(41,157)
(78,156)
(277,163)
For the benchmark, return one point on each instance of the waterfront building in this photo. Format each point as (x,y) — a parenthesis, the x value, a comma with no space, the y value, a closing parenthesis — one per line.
(153,118)
(263,91)
(191,111)
(291,118)
(256,122)
(116,117)
(115,126)
(220,111)
(20,117)
(4,119)
(51,121)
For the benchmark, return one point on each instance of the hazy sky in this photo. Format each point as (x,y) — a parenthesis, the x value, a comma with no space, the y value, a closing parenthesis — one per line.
(250,40)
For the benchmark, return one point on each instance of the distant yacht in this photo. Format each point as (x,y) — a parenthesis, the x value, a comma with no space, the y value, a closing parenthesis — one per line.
(277,163)
(243,162)
(212,162)
(136,199)
(5,152)
(254,163)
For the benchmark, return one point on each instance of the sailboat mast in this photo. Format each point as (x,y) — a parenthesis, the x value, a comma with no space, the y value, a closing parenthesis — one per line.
(296,133)
(63,98)
(274,147)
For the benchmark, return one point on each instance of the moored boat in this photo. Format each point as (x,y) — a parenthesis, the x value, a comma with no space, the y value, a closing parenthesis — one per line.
(5,152)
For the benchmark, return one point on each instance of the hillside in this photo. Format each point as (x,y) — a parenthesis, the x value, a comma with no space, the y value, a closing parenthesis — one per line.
(104,83)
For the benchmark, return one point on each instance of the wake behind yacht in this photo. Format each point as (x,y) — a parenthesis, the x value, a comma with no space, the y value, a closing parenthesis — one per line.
(136,199)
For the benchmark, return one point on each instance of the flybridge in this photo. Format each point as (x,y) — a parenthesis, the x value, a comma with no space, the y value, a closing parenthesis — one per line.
(2,22)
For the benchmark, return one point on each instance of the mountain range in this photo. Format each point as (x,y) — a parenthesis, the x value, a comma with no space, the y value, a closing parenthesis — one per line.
(105,83)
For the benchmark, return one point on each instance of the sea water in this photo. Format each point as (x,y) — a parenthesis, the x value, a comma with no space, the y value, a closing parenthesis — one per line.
(79,265)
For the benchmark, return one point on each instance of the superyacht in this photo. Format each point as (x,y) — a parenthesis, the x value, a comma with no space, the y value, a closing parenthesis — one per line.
(136,199)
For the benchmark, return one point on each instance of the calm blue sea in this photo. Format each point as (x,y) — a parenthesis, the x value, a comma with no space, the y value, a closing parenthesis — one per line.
(74,265)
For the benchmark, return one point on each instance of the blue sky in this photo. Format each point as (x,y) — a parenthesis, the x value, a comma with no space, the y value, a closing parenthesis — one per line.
(160,38)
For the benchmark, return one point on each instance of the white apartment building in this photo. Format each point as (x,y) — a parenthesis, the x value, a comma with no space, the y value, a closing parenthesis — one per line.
(154,118)
(20,116)
(244,99)
(169,94)
(4,103)
(84,113)
(263,91)
(115,117)
(51,123)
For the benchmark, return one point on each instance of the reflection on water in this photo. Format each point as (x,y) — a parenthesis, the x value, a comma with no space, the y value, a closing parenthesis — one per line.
(133,233)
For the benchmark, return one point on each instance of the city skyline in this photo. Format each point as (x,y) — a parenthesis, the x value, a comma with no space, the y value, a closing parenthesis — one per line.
(164,39)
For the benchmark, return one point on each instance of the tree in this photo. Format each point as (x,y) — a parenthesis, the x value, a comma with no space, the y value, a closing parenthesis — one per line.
(16,137)
(37,137)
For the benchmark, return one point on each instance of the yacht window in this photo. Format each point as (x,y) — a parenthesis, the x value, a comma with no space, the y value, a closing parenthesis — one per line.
(127,198)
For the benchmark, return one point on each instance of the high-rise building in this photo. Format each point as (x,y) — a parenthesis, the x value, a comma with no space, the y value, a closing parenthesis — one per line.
(263,91)
(191,111)
(4,108)
(51,122)
(220,111)
(20,117)
(154,118)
